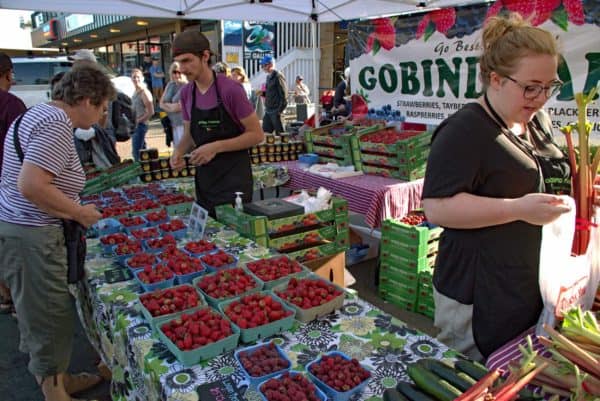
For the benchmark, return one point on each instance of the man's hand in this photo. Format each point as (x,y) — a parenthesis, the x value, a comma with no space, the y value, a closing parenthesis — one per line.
(177,161)
(204,153)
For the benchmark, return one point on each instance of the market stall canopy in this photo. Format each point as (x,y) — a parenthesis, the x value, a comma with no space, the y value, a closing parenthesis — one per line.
(273,10)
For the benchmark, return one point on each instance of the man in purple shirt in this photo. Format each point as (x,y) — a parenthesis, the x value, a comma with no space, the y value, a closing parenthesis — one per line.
(219,125)
(10,105)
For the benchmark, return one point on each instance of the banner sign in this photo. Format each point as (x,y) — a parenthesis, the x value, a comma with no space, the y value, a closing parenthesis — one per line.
(424,67)
(259,39)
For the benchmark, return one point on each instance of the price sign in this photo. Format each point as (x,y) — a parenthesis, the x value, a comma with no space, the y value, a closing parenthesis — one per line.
(198,219)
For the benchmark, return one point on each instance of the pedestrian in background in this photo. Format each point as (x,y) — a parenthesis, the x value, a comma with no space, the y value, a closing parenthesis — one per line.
(158,79)
(10,108)
(301,91)
(239,74)
(144,109)
(170,101)
(275,96)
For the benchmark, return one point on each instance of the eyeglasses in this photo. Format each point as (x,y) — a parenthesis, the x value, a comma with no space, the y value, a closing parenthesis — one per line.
(530,92)
(176,72)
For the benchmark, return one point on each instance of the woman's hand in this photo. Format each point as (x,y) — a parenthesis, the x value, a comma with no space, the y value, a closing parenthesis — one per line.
(88,215)
(540,209)
(204,154)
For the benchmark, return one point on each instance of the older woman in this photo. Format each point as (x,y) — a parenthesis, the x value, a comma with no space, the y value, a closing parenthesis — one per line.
(239,74)
(170,101)
(491,181)
(144,109)
(37,191)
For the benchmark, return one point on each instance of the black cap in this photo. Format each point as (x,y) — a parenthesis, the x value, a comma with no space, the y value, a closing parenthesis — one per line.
(189,42)
(5,63)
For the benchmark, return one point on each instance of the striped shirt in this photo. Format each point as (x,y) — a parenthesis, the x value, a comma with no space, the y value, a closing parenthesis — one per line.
(46,137)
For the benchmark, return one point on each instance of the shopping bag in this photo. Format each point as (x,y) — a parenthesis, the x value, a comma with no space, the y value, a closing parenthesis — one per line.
(565,281)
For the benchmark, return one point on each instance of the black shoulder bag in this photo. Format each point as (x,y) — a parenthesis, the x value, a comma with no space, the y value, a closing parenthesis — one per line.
(74,232)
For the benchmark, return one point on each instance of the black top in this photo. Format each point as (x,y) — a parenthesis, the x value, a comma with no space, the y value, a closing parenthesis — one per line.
(275,92)
(494,268)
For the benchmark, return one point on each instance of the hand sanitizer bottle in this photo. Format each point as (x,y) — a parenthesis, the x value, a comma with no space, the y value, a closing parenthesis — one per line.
(238,202)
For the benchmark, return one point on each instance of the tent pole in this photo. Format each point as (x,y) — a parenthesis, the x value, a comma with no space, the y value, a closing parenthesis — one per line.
(315,69)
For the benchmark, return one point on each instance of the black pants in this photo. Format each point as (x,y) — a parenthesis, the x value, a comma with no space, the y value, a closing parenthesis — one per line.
(272,122)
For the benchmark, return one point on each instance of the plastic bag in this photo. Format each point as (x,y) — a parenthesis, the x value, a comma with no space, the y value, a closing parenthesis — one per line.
(565,281)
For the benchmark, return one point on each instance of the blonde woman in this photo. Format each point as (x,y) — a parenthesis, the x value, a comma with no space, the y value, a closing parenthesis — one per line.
(170,101)
(488,184)
(239,74)
(143,106)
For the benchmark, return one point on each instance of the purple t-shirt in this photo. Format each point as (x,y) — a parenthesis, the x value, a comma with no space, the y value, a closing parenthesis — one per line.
(10,108)
(232,93)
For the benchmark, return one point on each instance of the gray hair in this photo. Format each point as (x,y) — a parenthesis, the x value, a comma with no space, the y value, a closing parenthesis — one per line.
(85,81)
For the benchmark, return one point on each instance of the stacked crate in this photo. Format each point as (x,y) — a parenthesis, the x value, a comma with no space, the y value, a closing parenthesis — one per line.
(335,143)
(397,154)
(302,237)
(407,252)
(425,304)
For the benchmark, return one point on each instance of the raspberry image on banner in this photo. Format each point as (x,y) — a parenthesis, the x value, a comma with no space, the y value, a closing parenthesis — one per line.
(574,9)
(543,11)
(443,19)
(423,26)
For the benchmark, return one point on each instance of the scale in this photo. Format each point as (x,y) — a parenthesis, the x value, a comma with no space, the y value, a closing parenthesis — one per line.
(273,208)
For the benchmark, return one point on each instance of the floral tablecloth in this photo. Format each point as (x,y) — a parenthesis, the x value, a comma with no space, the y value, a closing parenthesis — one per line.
(144,369)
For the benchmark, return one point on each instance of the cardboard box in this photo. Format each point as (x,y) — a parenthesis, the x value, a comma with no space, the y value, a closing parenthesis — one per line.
(331,268)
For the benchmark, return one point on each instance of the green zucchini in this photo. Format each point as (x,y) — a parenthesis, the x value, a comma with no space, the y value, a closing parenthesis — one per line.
(473,369)
(412,393)
(432,384)
(391,394)
(447,373)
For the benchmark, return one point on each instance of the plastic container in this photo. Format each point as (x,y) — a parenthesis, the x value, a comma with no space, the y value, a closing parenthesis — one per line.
(189,278)
(320,394)
(282,280)
(108,226)
(179,234)
(108,249)
(153,319)
(193,357)
(200,254)
(212,269)
(133,268)
(356,253)
(266,330)
(308,158)
(255,380)
(156,251)
(154,286)
(214,302)
(331,393)
(307,315)
(129,229)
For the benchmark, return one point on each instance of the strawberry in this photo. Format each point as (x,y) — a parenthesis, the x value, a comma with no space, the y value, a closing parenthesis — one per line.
(574,9)
(360,108)
(443,19)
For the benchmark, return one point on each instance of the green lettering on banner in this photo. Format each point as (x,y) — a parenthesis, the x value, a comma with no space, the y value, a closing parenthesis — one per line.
(427,85)
(362,80)
(593,75)
(472,70)
(566,92)
(388,79)
(410,82)
(448,76)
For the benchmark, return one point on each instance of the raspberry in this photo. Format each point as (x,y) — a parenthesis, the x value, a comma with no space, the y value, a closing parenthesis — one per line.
(494,9)
(543,11)
(574,9)
(423,26)
(385,33)
(443,19)
(524,7)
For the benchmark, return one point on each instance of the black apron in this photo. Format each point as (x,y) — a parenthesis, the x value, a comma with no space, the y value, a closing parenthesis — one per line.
(228,172)
(502,312)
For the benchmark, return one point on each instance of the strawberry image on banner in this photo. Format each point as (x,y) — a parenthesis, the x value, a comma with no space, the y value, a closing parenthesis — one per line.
(561,12)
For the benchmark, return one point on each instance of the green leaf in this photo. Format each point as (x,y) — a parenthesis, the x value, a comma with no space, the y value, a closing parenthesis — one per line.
(336,328)
(376,46)
(374,312)
(429,31)
(156,366)
(560,18)
(298,347)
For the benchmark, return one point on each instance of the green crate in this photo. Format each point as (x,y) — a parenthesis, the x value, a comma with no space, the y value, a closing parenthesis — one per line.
(391,273)
(412,160)
(399,231)
(408,263)
(407,291)
(400,147)
(206,352)
(266,330)
(245,224)
(342,240)
(425,310)
(315,252)
(401,173)
(426,299)
(408,250)
(399,301)
(426,278)
(281,244)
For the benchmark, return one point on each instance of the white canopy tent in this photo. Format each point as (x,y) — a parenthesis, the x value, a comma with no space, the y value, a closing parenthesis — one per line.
(313,11)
